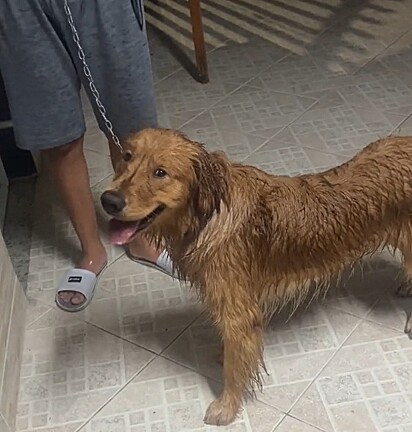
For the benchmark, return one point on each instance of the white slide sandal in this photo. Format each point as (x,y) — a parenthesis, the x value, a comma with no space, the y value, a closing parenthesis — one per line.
(79,281)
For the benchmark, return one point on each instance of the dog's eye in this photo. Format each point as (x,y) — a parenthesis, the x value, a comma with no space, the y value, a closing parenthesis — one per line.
(127,155)
(159,172)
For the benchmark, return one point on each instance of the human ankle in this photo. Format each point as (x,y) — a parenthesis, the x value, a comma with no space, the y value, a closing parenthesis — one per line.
(141,248)
(94,260)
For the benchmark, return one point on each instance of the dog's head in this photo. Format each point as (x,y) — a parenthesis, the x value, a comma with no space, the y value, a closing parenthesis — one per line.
(163,176)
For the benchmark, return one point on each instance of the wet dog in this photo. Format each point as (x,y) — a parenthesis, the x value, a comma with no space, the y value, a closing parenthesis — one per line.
(249,242)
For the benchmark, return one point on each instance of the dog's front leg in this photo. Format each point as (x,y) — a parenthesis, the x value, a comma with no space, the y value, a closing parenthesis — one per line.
(241,329)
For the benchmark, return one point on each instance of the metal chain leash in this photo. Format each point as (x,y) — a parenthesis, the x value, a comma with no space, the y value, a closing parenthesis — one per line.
(89,77)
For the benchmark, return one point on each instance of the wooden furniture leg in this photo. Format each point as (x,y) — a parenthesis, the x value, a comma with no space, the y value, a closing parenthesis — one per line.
(199,41)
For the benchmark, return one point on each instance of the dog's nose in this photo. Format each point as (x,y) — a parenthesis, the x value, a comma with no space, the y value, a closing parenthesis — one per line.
(112,202)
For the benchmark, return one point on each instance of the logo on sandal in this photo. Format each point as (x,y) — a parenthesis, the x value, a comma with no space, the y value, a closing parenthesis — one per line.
(75,279)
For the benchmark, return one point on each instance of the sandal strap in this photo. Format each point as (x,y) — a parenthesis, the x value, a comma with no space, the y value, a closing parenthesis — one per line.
(164,262)
(79,281)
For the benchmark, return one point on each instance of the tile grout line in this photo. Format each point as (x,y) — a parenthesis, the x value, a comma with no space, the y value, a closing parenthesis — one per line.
(397,380)
(301,421)
(362,320)
(379,324)
(329,360)
(122,338)
(141,346)
(278,424)
(381,52)
(29,324)
(283,128)
(240,86)
(137,344)
(5,422)
(326,408)
(186,367)
(190,369)
(181,333)
(332,153)
(399,125)
(314,104)
(116,393)
(155,357)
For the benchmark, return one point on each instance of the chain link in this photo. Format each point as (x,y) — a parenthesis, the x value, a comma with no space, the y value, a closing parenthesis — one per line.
(89,77)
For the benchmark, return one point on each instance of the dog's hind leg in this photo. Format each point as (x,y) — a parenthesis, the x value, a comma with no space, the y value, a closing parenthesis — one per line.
(405,246)
(240,324)
(405,288)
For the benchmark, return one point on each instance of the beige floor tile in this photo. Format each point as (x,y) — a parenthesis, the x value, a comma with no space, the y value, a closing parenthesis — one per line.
(99,166)
(69,370)
(366,386)
(168,397)
(141,305)
(280,157)
(243,121)
(405,128)
(310,338)
(35,309)
(95,140)
(391,311)
(345,129)
(3,425)
(358,293)
(217,135)
(290,424)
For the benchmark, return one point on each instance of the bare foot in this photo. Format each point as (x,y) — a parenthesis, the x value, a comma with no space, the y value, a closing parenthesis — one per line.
(141,248)
(94,262)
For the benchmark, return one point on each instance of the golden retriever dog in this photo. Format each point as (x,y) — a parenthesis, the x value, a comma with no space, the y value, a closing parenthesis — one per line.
(249,242)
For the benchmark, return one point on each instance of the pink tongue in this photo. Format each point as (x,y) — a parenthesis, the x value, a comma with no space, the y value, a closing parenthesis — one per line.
(121,232)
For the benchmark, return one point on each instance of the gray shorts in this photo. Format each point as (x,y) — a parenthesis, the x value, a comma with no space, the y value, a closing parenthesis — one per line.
(43,74)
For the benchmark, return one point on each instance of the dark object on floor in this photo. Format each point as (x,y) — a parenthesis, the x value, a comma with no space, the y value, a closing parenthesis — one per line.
(17,163)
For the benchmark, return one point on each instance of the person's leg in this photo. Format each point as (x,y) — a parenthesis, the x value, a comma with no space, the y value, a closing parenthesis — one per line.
(69,168)
(113,36)
(43,90)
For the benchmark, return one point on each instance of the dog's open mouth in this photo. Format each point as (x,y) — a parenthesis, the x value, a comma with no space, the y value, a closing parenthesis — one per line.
(123,232)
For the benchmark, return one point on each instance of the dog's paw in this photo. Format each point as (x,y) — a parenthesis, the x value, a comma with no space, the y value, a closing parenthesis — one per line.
(404,289)
(220,413)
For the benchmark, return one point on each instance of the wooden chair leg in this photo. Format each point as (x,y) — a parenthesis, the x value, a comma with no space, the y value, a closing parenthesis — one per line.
(199,41)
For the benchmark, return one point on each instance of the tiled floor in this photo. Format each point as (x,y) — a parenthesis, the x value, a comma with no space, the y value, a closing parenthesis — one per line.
(334,76)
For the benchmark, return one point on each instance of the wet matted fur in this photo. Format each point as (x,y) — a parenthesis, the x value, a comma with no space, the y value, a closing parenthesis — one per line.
(250,242)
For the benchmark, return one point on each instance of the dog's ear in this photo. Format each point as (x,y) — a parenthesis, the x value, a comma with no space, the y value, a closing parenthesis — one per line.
(211,186)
